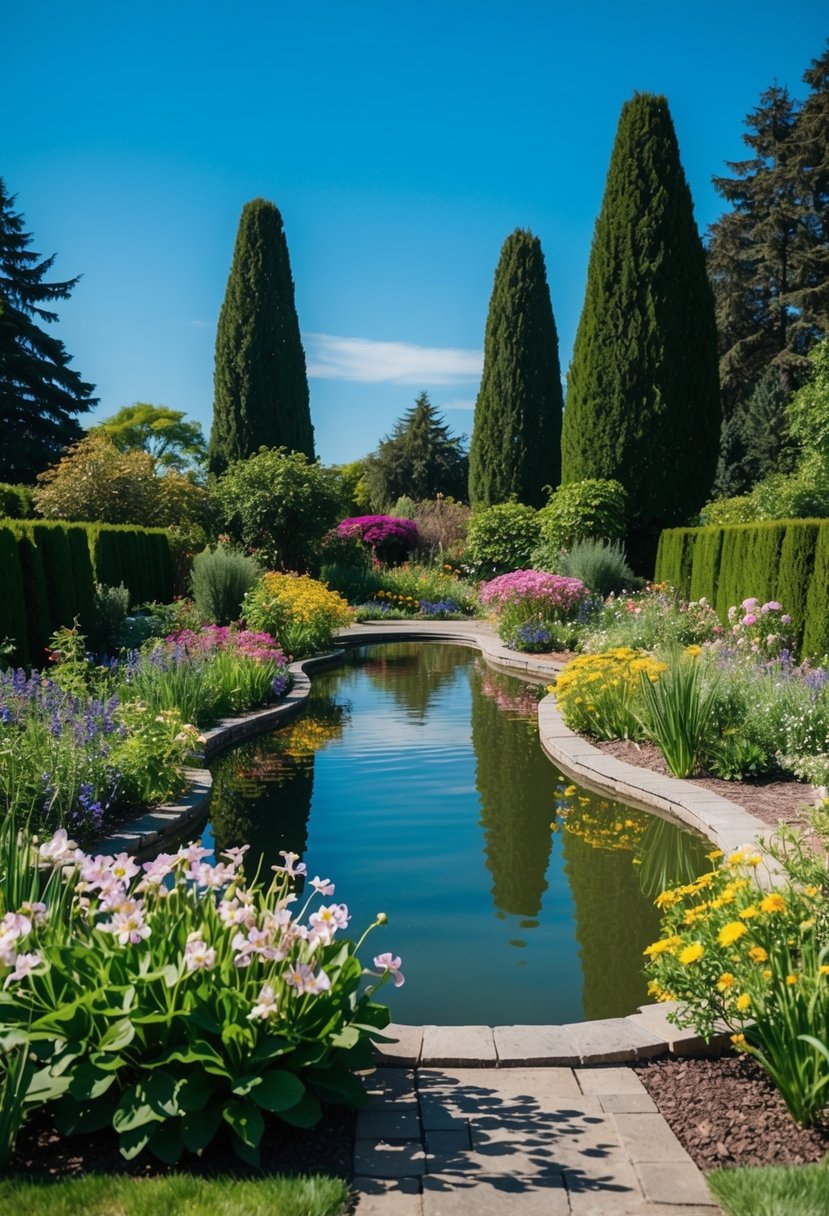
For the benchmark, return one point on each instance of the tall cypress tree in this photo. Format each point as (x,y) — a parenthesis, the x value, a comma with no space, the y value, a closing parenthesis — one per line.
(515,449)
(40,394)
(642,394)
(260,382)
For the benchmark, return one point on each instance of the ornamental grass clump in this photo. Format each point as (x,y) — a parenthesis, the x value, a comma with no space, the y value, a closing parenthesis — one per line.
(299,611)
(177,999)
(678,710)
(757,960)
(601,694)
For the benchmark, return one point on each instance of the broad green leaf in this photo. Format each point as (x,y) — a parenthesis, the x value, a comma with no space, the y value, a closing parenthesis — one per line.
(160,1093)
(348,1036)
(250,1155)
(167,1143)
(73,1117)
(132,1142)
(205,1021)
(194,1092)
(271,1048)
(278,1091)
(337,1085)
(305,1055)
(205,1055)
(44,1086)
(306,1113)
(89,1082)
(245,1084)
(200,1126)
(133,1111)
(119,1034)
(246,1120)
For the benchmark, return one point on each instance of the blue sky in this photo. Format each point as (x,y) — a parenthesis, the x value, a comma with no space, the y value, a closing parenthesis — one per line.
(402,143)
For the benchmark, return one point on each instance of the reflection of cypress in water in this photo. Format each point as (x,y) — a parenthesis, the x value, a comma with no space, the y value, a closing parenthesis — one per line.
(262,789)
(613,925)
(515,785)
(423,670)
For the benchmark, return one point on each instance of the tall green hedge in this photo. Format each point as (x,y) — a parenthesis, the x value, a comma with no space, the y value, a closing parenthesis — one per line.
(783,560)
(49,570)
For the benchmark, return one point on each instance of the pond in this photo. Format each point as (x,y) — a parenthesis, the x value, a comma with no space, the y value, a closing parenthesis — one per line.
(415,781)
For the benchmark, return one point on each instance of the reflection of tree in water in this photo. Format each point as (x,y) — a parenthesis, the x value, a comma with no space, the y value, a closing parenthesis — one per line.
(613,855)
(413,673)
(262,789)
(514,782)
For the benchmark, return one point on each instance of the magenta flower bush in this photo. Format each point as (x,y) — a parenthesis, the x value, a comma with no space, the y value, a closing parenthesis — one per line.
(548,594)
(389,538)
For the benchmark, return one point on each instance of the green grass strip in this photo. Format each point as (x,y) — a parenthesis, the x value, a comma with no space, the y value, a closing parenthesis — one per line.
(775,1190)
(183,1194)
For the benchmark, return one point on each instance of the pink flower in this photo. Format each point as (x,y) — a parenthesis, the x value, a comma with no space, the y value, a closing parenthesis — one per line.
(750,603)
(265,1007)
(24,965)
(323,886)
(386,962)
(198,956)
(749,619)
(301,977)
(290,868)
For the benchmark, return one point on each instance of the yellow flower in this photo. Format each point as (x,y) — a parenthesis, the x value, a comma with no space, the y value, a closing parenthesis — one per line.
(714,855)
(807,924)
(754,859)
(791,979)
(660,947)
(743,1002)
(570,791)
(725,981)
(748,912)
(731,933)
(773,903)
(757,954)
(693,651)
(692,953)
(824,969)
(737,859)
(766,973)
(738,1040)
(811,891)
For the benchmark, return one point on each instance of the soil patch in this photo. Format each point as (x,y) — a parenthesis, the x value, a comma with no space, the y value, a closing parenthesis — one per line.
(773,800)
(327,1148)
(726,1112)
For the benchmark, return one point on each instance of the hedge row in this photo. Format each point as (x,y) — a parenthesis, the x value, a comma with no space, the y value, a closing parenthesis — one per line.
(784,560)
(49,571)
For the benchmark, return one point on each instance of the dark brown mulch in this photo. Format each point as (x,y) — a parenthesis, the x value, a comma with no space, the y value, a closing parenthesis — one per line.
(771,799)
(326,1148)
(726,1112)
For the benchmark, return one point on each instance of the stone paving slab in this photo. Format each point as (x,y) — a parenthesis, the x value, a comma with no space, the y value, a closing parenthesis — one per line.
(388,1158)
(609,1080)
(674,1182)
(448,1045)
(451,1196)
(608,1040)
(387,1197)
(648,1139)
(547,1045)
(403,1046)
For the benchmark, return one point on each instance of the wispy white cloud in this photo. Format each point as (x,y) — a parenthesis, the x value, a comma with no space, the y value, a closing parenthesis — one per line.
(364,359)
(465,404)
(199,324)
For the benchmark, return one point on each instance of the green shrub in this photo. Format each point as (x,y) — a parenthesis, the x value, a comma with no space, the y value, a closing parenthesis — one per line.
(111,607)
(739,510)
(501,538)
(792,496)
(16,501)
(601,565)
(219,581)
(593,507)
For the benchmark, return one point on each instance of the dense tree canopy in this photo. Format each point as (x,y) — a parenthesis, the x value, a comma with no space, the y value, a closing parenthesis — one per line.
(418,460)
(260,381)
(768,255)
(162,432)
(642,399)
(516,438)
(40,394)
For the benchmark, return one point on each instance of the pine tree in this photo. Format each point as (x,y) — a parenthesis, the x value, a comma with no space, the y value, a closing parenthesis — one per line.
(516,438)
(260,382)
(754,441)
(642,395)
(39,393)
(418,460)
(768,256)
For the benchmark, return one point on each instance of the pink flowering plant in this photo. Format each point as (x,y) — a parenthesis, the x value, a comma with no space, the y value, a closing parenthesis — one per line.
(177,998)
(763,630)
(390,538)
(532,608)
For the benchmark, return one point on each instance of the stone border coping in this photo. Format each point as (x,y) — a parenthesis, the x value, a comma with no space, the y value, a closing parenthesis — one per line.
(639,1036)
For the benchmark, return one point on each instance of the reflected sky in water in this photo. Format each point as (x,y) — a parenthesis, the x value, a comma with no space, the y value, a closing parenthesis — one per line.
(416,782)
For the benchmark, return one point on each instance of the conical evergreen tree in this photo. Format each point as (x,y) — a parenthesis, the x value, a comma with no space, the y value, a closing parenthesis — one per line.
(515,449)
(642,395)
(419,459)
(260,382)
(40,394)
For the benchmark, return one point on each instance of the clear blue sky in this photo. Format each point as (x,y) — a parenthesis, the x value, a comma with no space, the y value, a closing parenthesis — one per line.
(401,142)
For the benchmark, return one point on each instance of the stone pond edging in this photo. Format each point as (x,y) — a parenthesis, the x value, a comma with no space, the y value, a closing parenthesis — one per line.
(643,1035)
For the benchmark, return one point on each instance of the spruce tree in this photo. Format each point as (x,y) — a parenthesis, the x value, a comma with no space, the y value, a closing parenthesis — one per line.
(40,394)
(418,460)
(260,382)
(516,437)
(642,394)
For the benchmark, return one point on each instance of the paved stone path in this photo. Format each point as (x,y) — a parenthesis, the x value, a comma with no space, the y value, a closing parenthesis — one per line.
(522,1142)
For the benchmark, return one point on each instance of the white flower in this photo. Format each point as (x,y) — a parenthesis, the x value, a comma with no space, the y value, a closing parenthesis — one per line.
(24,965)
(198,956)
(265,1007)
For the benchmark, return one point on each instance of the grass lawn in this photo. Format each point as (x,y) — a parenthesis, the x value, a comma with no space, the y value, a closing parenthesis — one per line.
(100,1195)
(776,1190)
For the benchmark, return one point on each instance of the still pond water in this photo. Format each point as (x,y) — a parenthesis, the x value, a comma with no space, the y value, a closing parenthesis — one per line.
(416,782)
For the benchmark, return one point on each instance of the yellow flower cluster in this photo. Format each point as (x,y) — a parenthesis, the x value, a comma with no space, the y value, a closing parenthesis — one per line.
(597,693)
(407,602)
(305,598)
(610,826)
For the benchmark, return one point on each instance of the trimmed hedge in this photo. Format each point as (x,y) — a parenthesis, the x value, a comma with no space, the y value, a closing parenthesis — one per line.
(784,560)
(49,571)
